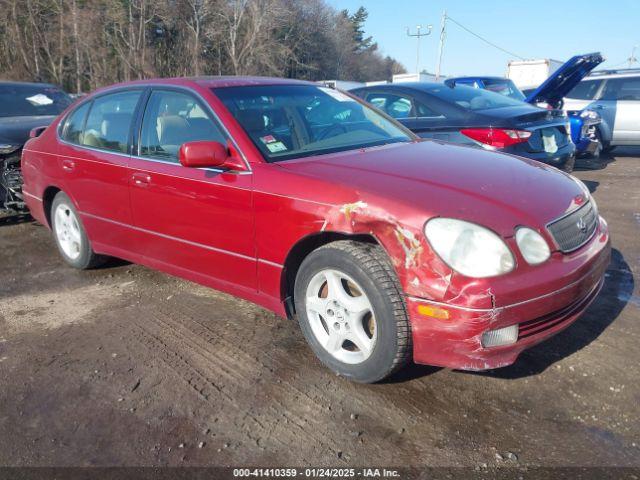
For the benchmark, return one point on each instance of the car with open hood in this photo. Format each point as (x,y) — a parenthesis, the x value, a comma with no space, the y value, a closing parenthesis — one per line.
(386,247)
(23,107)
(588,132)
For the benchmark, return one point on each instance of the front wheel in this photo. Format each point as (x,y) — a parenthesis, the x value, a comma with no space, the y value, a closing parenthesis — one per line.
(351,311)
(70,236)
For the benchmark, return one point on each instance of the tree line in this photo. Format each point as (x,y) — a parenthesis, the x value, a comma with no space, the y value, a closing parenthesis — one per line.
(85,44)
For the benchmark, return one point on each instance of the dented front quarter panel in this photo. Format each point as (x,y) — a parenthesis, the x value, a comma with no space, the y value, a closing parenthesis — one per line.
(366,193)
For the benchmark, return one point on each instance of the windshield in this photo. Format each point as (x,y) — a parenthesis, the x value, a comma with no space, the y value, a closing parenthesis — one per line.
(472,98)
(32,100)
(293,121)
(504,87)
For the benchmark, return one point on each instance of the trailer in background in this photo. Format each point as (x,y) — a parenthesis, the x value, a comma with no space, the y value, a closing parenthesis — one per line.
(527,74)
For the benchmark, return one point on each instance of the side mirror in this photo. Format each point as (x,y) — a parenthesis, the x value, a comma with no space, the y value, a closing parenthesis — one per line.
(203,154)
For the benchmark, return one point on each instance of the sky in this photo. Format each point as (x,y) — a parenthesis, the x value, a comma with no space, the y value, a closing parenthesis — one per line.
(556,29)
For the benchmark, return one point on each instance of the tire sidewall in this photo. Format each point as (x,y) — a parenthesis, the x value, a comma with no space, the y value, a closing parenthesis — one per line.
(84,259)
(381,359)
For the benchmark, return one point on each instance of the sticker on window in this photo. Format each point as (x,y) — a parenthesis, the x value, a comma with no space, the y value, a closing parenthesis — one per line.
(268,139)
(275,147)
(39,100)
(341,97)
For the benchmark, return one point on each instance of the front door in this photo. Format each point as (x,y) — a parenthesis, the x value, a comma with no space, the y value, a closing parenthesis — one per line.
(196,223)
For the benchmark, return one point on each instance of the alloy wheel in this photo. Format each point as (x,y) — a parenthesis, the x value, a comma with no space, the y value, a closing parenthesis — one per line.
(341,316)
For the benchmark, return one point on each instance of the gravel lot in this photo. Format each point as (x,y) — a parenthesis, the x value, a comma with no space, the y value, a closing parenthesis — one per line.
(127,366)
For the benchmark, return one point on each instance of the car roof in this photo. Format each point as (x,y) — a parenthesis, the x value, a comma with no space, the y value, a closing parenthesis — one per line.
(478,77)
(421,86)
(618,73)
(211,82)
(33,84)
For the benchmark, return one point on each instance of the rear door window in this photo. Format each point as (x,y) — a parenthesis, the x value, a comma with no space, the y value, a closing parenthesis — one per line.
(172,118)
(585,90)
(622,89)
(396,106)
(109,121)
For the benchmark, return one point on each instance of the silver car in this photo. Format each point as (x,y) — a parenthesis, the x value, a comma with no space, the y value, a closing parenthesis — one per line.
(615,95)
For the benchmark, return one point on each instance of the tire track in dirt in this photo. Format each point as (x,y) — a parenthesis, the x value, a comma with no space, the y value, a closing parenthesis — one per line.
(193,353)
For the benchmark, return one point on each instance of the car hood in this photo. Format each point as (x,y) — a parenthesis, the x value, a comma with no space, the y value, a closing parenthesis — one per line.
(15,130)
(435,178)
(565,78)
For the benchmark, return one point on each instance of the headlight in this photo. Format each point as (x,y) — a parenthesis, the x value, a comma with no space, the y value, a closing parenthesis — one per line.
(469,249)
(533,247)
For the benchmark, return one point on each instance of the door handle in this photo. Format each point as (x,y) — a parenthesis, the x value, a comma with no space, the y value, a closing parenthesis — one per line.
(68,165)
(598,107)
(141,179)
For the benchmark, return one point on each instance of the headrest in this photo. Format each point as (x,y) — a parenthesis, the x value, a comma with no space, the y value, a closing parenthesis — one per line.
(252,119)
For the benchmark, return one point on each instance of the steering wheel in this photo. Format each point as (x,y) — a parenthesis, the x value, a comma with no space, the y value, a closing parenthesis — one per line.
(334,126)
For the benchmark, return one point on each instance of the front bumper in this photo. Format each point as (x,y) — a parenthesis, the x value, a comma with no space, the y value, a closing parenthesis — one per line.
(587,145)
(452,337)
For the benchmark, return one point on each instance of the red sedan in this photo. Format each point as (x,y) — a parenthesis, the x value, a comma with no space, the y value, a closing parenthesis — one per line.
(314,205)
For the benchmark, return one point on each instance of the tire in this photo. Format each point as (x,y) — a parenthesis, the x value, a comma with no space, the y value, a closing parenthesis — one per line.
(608,148)
(360,273)
(70,235)
(596,155)
(568,167)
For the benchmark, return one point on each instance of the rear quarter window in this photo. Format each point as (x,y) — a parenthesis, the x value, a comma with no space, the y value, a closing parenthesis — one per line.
(74,124)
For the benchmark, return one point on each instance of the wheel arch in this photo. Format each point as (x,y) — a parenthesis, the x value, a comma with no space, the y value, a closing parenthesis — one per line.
(301,249)
(47,201)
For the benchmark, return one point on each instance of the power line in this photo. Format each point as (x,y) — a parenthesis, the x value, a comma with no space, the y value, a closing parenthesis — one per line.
(484,39)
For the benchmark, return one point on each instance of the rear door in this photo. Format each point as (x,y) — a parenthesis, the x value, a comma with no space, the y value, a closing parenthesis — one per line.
(621,103)
(94,158)
(194,222)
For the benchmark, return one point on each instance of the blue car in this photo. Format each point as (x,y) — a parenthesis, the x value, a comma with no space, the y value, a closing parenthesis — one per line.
(587,131)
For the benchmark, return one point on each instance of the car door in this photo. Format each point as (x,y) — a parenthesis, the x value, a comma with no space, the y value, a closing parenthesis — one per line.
(194,222)
(94,157)
(620,101)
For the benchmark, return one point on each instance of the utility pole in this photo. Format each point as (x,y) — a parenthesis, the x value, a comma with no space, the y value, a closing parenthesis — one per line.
(418,36)
(632,59)
(443,34)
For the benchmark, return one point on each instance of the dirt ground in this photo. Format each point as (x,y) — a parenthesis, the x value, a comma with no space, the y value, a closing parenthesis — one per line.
(126,366)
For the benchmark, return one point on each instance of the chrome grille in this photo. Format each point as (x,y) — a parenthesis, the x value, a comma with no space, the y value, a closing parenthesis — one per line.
(575,229)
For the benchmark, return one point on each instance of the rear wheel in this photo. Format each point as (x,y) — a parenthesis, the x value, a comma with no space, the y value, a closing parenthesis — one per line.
(70,236)
(351,311)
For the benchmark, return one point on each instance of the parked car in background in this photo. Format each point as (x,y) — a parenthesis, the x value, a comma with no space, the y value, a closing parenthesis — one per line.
(311,203)
(589,132)
(500,85)
(476,117)
(586,132)
(23,106)
(615,96)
